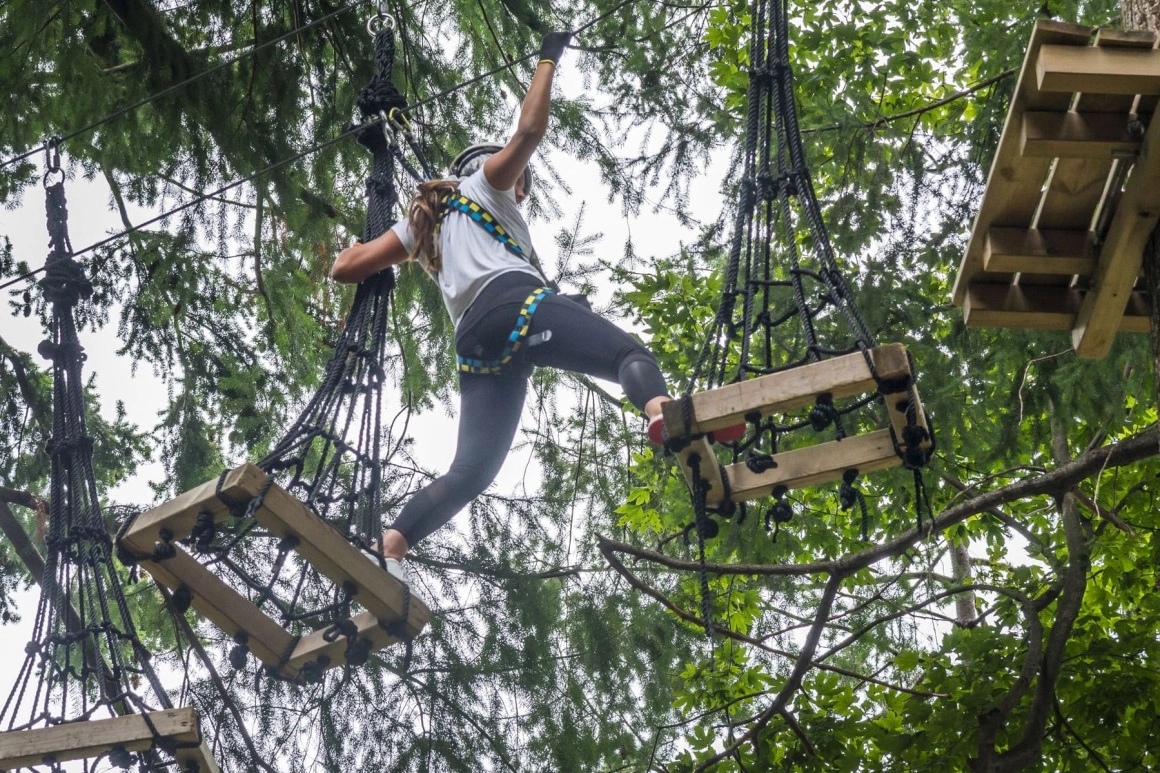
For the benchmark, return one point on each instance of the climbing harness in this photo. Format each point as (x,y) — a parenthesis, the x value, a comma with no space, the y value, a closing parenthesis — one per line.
(515,340)
(457,202)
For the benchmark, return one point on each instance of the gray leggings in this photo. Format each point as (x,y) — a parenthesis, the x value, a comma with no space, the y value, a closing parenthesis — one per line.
(491,405)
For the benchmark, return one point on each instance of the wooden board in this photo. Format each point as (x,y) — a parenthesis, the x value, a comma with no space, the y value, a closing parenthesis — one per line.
(282,515)
(815,465)
(313,646)
(223,606)
(1078,135)
(1012,195)
(178,515)
(1098,70)
(708,466)
(1031,307)
(332,554)
(788,390)
(1040,251)
(88,739)
(1081,229)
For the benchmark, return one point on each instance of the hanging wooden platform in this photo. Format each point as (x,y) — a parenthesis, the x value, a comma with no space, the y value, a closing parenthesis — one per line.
(841,377)
(89,739)
(1073,192)
(319,543)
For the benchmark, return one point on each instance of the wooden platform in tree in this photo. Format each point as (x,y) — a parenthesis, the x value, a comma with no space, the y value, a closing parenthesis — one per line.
(318,543)
(791,390)
(1073,192)
(89,739)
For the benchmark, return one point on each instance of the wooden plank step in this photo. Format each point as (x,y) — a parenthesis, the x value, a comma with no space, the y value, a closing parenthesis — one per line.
(318,543)
(1121,256)
(788,390)
(1099,70)
(92,738)
(1080,189)
(1033,307)
(1015,182)
(219,603)
(815,465)
(283,515)
(1078,135)
(708,467)
(179,514)
(1040,251)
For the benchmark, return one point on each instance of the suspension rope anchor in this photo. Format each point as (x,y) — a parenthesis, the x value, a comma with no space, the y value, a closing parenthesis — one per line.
(381,21)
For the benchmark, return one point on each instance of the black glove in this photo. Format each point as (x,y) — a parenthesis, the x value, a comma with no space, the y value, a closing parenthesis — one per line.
(553,46)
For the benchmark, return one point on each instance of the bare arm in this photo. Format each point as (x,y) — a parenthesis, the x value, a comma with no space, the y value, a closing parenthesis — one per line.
(503,169)
(360,261)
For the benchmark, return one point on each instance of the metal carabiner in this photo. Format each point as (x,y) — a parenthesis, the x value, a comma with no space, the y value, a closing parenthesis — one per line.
(398,119)
(380,21)
(52,162)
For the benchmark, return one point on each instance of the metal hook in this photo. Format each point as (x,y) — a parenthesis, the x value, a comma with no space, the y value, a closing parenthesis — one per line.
(53,175)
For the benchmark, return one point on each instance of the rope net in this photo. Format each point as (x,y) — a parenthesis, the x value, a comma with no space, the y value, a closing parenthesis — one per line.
(85,660)
(332,457)
(786,305)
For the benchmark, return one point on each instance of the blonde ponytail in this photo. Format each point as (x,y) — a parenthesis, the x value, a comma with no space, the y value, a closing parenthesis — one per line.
(423,216)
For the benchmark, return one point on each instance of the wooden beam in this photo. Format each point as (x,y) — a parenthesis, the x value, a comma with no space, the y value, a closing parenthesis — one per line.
(199,755)
(1121,256)
(1040,251)
(87,739)
(179,514)
(314,648)
(1078,135)
(332,554)
(1073,69)
(224,606)
(787,390)
(709,467)
(815,465)
(1015,182)
(1033,307)
(1079,189)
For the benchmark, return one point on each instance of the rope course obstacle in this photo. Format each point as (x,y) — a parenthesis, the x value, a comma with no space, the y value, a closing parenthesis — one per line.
(277,554)
(788,337)
(87,689)
(1073,192)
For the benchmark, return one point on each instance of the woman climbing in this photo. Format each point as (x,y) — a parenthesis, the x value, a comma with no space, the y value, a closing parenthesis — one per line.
(469,235)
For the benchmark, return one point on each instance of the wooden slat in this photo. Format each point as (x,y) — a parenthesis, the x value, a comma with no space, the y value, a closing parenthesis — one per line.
(313,646)
(1032,307)
(1121,256)
(708,466)
(84,740)
(332,554)
(178,514)
(199,755)
(222,605)
(1040,251)
(1078,189)
(787,390)
(1078,135)
(1104,70)
(1015,182)
(815,465)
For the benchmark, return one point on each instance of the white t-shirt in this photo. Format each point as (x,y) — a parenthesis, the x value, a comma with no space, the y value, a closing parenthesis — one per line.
(472,257)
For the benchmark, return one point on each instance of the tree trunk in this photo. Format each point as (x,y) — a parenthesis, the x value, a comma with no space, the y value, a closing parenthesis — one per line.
(1145,15)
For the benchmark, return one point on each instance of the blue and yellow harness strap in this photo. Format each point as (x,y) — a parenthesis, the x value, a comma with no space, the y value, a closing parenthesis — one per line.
(515,339)
(460,203)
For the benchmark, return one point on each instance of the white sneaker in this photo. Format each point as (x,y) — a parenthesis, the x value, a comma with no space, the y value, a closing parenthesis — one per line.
(396,569)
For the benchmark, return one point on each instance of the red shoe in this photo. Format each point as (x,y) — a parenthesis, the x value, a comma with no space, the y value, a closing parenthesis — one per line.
(728,434)
(656,430)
